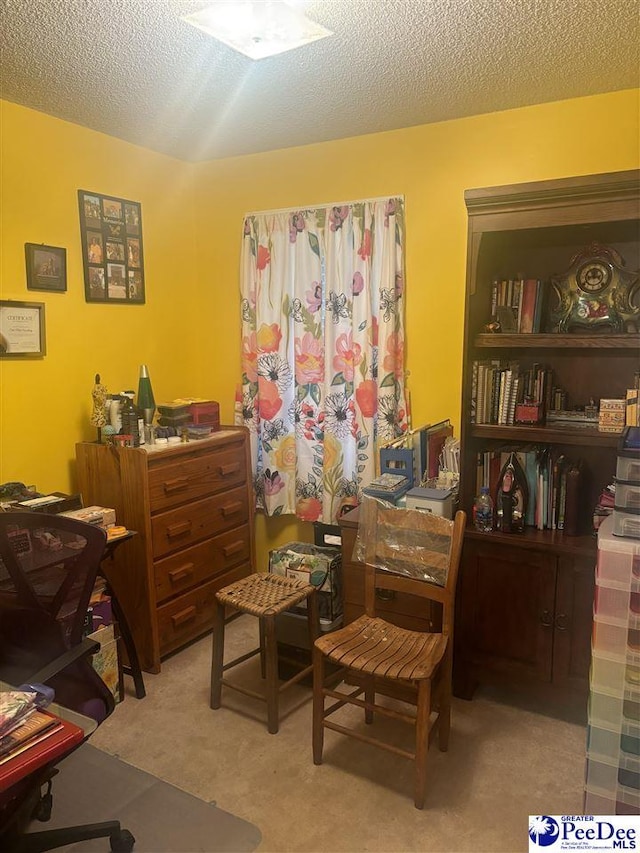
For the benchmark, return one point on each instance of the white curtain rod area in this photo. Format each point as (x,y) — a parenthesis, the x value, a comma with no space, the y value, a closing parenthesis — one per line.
(323,204)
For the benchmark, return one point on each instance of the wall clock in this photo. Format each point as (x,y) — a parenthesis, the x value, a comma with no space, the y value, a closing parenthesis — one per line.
(596,294)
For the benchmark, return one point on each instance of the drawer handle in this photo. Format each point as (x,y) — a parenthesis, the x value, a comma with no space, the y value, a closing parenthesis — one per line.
(231,509)
(178,529)
(234,548)
(226,470)
(546,619)
(385,594)
(181,573)
(175,485)
(183,616)
(561,622)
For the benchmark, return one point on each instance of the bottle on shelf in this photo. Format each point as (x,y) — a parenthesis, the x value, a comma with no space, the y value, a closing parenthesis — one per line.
(129,418)
(483,511)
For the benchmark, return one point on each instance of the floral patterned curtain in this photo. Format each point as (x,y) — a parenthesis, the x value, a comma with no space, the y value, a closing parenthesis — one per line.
(322,351)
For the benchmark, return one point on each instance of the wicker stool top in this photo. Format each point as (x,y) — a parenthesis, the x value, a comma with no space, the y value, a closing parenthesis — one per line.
(264,594)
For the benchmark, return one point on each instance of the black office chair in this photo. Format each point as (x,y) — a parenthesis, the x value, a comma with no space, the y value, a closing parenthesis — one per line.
(48,567)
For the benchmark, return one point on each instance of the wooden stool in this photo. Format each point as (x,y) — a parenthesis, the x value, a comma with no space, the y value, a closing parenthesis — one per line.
(263,596)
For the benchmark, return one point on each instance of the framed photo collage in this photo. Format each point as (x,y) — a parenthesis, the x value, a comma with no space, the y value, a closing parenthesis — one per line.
(111,230)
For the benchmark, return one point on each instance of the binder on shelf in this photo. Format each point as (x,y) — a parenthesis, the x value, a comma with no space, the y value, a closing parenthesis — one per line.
(572,503)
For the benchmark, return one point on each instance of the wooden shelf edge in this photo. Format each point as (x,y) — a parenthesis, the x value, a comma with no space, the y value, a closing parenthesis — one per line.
(533,539)
(629,341)
(545,434)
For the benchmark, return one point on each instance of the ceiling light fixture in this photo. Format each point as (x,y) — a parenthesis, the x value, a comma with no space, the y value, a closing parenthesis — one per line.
(257,28)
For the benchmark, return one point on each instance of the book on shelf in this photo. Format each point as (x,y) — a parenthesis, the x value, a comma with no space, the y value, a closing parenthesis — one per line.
(529,293)
(573,499)
(553,484)
(538,312)
(517,304)
(558,464)
(418,439)
(495,394)
(513,399)
(498,386)
(494,299)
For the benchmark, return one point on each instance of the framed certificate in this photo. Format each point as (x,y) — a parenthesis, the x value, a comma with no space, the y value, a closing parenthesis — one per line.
(22,332)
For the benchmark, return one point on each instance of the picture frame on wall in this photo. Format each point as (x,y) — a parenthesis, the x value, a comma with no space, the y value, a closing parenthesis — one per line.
(46,267)
(22,329)
(112,251)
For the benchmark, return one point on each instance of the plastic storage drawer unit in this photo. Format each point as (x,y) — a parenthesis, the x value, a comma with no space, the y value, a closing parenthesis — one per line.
(609,675)
(607,711)
(628,466)
(608,776)
(612,638)
(626,522)
(618,559)
(627,494)
(608,745)
(611,603)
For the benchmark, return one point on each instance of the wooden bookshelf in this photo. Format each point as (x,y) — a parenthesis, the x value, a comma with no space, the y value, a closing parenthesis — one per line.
(525,601)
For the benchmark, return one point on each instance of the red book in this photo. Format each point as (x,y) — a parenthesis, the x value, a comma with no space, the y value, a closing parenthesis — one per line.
(41,750)
(529,292)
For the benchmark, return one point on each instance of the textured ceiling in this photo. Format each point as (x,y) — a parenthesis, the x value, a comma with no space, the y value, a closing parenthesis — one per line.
(134,70)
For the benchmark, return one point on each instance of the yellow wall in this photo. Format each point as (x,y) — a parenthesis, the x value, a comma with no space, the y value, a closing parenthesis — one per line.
(188,332)
(431,165)
(45,404)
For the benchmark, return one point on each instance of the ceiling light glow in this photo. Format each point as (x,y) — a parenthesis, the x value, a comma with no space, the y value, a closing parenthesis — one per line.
(257,28)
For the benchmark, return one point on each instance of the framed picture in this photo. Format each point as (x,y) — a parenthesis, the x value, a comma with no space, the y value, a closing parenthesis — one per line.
(111,231)
(46,267)
(22,329)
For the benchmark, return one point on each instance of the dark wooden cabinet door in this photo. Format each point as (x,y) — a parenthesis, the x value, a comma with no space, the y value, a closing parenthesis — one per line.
(506,611)
(573,622)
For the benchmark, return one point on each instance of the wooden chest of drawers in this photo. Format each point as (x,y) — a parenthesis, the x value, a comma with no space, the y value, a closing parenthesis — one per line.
(192,508)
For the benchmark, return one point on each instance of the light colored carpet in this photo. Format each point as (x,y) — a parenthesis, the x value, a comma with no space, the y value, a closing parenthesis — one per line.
(503,764)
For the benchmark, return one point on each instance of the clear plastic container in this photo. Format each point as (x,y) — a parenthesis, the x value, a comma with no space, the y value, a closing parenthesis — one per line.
(623,771)
(618,559)
(613,711)
(628,466)
(483,511)
(627,494)
(607,675)
(612,603)
(609,746)
(618,800)
(626,522)
(613,637)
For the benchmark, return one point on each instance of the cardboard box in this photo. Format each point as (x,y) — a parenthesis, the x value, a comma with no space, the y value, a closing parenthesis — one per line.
(100,515)
(611,417)
(320,566)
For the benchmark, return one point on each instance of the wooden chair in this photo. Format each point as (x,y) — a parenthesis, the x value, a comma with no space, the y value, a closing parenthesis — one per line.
(374,653)
(263,596)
